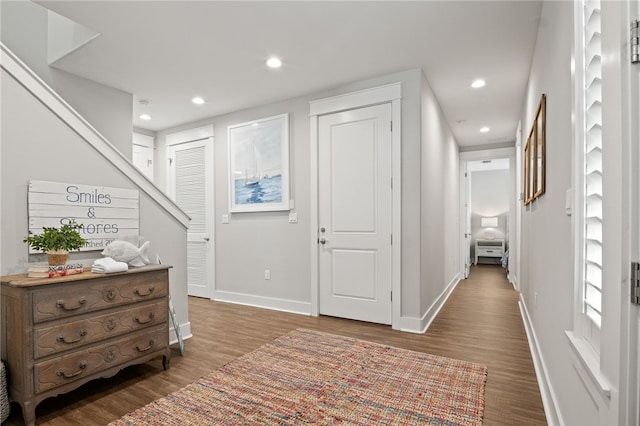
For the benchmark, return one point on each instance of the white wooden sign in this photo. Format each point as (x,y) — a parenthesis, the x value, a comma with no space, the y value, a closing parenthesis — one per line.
(106,214)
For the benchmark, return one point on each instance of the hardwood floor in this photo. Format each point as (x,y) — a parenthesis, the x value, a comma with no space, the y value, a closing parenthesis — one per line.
(480,322)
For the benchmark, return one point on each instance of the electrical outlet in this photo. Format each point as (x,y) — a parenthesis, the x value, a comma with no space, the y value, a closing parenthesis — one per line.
(293,217)
(267,274)
(225,218)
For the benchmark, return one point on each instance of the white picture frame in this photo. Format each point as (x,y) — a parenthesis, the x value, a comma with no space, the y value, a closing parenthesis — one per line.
(259,165)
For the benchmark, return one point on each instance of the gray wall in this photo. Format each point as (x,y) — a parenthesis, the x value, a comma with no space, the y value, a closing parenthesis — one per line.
(439,198)
(52,151)
(270,242)
(429,178)
(48,150)
(23,29)
(547,277)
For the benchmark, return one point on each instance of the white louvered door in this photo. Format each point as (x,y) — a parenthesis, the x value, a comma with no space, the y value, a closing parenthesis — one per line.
(191,186)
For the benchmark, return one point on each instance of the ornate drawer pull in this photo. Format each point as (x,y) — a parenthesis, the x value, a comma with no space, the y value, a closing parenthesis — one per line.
(150,316)
(151,288)
(62,305)
(151,343)
(63,339)
(82,366)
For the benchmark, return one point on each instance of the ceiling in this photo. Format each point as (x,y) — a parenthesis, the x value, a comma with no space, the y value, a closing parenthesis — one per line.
(166,52)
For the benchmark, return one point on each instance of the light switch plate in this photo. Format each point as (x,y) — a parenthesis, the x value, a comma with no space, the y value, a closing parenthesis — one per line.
(293,217)
(568,201)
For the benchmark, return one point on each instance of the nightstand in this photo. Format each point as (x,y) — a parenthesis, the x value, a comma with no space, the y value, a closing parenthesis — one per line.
(489,248)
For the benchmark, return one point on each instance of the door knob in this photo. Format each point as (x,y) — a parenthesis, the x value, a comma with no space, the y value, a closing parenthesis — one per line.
(323,241)
(206,238)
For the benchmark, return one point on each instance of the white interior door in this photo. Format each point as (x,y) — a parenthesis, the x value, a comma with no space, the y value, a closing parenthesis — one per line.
(355,214)
(142,158)
(191,186)
(142,153)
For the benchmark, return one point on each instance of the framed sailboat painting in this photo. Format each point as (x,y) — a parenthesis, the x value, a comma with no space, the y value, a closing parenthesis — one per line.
(259,165)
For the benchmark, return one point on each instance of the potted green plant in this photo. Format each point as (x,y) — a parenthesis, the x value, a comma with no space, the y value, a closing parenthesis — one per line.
(57,242)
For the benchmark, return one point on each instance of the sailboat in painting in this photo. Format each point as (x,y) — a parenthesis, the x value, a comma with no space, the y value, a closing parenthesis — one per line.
(253,179)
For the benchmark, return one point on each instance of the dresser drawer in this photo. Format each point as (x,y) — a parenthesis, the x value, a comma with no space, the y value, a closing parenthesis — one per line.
(55,302)
(59,333)
(490,251)
(74,334)
(77,365)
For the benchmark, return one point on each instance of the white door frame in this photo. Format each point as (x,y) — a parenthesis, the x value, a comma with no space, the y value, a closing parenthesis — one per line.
(492,154)
(144,143)
(392,94)
(193,135)
(629,411)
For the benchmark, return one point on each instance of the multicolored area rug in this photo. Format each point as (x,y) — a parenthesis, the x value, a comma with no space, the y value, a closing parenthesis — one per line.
(309,377)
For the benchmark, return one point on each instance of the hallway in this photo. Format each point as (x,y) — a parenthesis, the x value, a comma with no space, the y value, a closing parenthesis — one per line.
(480,323)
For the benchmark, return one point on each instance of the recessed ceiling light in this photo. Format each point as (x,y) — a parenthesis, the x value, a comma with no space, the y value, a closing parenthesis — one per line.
(197,100)
(484,129)
(478,83)
(274,62)
(145,116)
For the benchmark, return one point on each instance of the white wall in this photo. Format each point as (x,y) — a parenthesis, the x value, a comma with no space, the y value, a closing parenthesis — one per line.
(490,192)
(439,197)
(52,151)
(547,276)
(267,240)
(253,242)
(23,29)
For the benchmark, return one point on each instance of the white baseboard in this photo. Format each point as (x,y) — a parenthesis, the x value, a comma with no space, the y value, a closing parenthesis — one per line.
(407,324)
(420,325)
(549,400)
(292,306)
(514,281)
(185,332)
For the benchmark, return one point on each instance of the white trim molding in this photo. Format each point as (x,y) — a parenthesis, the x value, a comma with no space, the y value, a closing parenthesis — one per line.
(43,92)
(191,135)
(359,99)
(185,332)
(587,364)
(421,325)
(513,243)
(549,400)
(282,305)
(390,93)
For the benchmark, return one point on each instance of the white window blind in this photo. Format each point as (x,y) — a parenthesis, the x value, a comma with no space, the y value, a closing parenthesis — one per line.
(592,236)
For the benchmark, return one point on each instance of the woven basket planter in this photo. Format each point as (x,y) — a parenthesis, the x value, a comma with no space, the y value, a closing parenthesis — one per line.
(4,399)
(57,258)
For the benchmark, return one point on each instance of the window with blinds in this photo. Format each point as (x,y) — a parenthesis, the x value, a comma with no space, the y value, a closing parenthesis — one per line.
(592,185)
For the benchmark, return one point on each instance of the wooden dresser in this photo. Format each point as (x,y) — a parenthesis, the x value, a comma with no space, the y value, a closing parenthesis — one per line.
(59,333)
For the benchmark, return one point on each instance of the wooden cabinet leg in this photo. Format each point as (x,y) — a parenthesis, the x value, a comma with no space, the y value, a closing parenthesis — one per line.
(28,412)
